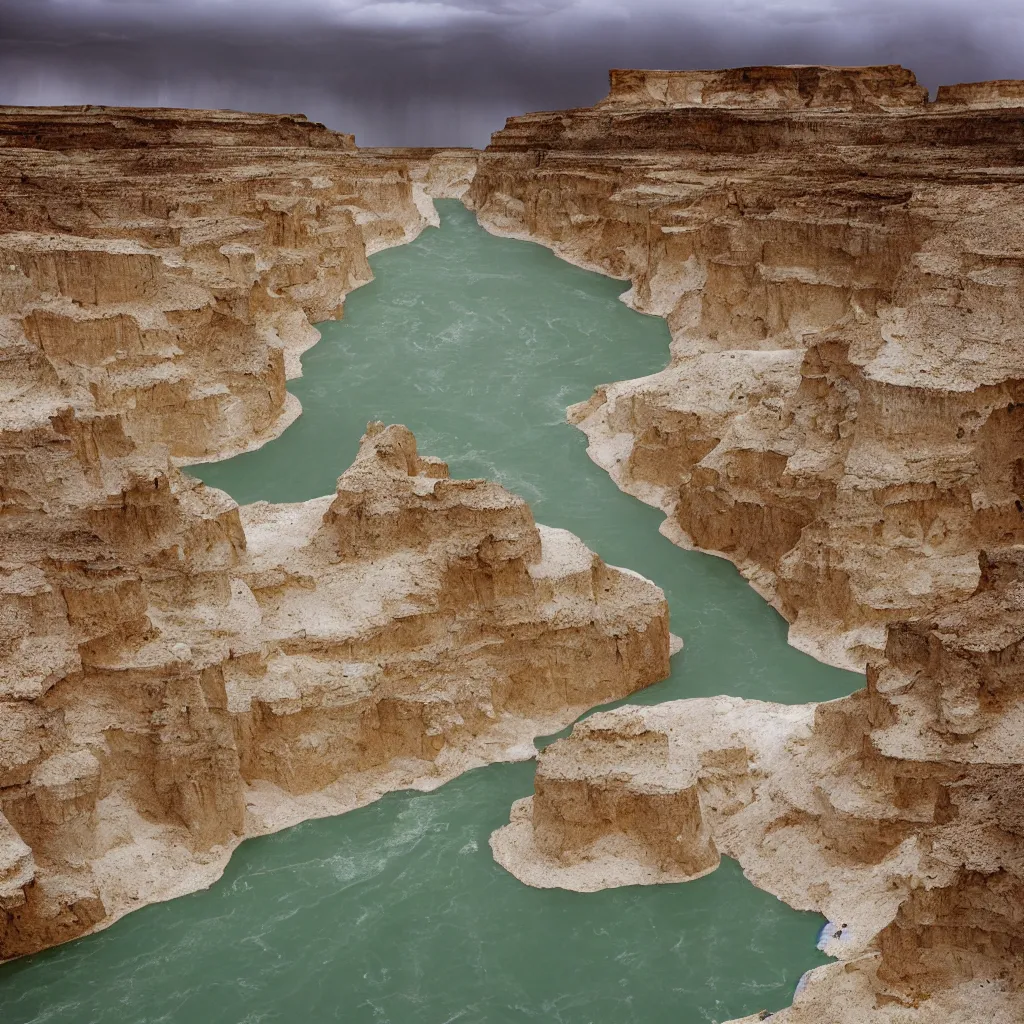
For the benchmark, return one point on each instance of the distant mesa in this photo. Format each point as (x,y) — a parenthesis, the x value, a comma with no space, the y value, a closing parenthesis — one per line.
(888,87)
(980,95)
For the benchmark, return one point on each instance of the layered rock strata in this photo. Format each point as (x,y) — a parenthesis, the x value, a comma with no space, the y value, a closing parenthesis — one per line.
(442,173)
(163,266)
(839,263)
(853,808)
(222,672)
(841,414)
(177,673)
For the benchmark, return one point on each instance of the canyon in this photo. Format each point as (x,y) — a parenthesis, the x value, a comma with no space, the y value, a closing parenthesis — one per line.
(839,260)
(180,673)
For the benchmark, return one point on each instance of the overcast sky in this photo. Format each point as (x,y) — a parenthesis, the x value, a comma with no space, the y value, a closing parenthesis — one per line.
(448,72)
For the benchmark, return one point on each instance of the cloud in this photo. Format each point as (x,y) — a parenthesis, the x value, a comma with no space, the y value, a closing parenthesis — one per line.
(401,14)
(420,72)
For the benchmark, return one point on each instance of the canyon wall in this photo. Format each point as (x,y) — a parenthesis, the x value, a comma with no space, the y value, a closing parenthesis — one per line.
(840,262)
(176,672)
(841,414)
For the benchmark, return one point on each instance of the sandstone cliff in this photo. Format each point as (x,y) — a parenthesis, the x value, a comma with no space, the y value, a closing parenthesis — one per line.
(177,673)
(842,415)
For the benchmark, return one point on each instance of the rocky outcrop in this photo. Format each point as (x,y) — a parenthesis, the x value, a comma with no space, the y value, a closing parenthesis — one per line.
(839,265)
(792,87)
(981,95)
(913,859)
(219,672)
(177,673)
(442,173)
(165,265)
(840,409)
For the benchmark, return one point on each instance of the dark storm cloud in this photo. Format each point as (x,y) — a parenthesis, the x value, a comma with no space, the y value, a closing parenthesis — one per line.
(420,72)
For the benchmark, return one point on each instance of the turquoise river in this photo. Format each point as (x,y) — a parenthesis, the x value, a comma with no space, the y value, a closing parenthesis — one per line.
(396,913)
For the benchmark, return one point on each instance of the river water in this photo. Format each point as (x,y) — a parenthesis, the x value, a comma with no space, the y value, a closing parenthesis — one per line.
(396,913)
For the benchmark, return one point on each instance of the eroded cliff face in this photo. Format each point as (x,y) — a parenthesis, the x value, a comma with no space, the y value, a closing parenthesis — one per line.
(177,673)
(842,412)
(914,860)
(840,264)
(163,266)
(792,87)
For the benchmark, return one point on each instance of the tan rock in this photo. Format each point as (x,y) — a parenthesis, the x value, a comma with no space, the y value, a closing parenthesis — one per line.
(839,265)
(177,673)
(819,296)
(791,87)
